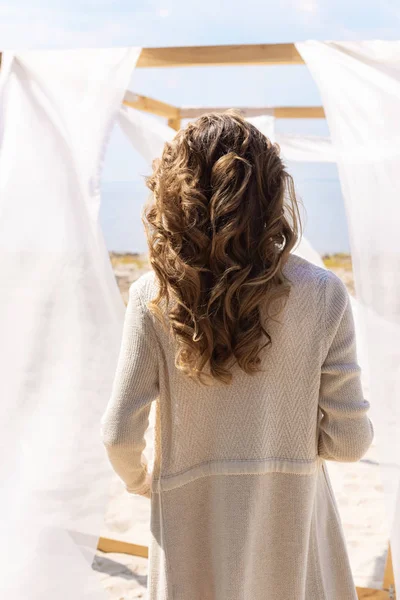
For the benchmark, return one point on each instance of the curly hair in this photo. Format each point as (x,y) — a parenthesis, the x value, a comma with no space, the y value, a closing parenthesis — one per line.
(223,220)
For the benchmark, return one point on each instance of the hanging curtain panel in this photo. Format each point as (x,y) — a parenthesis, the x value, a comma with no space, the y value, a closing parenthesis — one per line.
(299,148)
(307,148)
(146,134)
(61,316)
(266,124)
(360,88)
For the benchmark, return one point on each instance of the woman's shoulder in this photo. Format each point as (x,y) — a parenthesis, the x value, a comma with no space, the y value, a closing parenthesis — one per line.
(299,269)
(144,288)
(307,276)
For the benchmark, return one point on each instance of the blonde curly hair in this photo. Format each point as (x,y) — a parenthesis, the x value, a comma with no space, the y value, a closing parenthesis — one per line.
(223,220)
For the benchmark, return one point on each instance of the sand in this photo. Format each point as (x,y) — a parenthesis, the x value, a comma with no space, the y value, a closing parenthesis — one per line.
(357,487)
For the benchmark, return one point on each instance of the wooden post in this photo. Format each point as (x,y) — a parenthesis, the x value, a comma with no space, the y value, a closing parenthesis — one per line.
(388,591)
(388,577)
(109,545)
(150,105)
(175,123)
(371,594)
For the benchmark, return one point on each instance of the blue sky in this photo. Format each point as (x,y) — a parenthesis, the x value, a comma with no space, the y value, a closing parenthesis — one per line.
(67,23)
(104,23)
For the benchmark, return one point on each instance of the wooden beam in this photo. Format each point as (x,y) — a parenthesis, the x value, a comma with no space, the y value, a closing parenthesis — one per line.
(371,594)
(299,112)
(201,56)
(175,114)
(388,577)
(152,106)
(109,545)
(174,123)
(193,113)
(279,112)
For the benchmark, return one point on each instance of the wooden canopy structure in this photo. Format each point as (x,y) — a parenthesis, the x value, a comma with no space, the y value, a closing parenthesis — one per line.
(175,114)
(201,56)
(206,56)
(227,55)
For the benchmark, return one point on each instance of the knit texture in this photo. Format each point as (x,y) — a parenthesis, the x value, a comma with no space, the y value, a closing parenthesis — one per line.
(241,503)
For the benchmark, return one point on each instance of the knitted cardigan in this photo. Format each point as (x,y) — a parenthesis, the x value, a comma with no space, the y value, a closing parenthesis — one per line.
(241,503)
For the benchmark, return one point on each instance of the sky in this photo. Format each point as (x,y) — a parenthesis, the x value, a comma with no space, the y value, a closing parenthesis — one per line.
(94,23)
(104,23)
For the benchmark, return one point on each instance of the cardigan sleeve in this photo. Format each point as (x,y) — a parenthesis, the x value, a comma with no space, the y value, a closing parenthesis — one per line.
(345,430)
(135,386)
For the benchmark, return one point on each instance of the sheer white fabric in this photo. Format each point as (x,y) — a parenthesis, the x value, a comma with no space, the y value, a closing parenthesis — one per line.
(146,134)
(299,148)
(360,88)
(60,316)
(266,124)
(307,148)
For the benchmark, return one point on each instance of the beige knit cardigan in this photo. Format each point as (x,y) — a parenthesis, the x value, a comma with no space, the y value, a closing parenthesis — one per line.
(241,503)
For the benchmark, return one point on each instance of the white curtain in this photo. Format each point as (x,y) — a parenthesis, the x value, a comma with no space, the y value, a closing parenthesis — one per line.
(266,124)
(306,148)
(146,134)
(299,148)
(60,317)
(360,88)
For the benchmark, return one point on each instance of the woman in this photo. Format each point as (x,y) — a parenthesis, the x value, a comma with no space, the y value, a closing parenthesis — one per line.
(249,352)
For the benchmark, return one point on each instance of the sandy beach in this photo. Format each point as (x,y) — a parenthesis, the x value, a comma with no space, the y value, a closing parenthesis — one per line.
(357,486)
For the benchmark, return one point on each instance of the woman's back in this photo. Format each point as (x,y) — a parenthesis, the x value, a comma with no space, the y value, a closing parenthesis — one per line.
(268,419)
(273,532)
(241,503)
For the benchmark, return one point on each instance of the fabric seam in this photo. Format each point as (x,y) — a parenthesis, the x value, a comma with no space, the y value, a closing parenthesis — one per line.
(244,460)
(293,468)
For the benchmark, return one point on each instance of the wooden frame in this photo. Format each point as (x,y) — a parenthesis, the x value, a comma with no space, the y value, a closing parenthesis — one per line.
(279,112)
(387,593)
(119,547)
(150,105)
(175,114)
(203,56)
(200,56)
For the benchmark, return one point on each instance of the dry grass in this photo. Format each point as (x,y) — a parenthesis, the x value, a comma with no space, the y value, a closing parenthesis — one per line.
(137,260)
(129,266)
(341,265)
(339,260)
